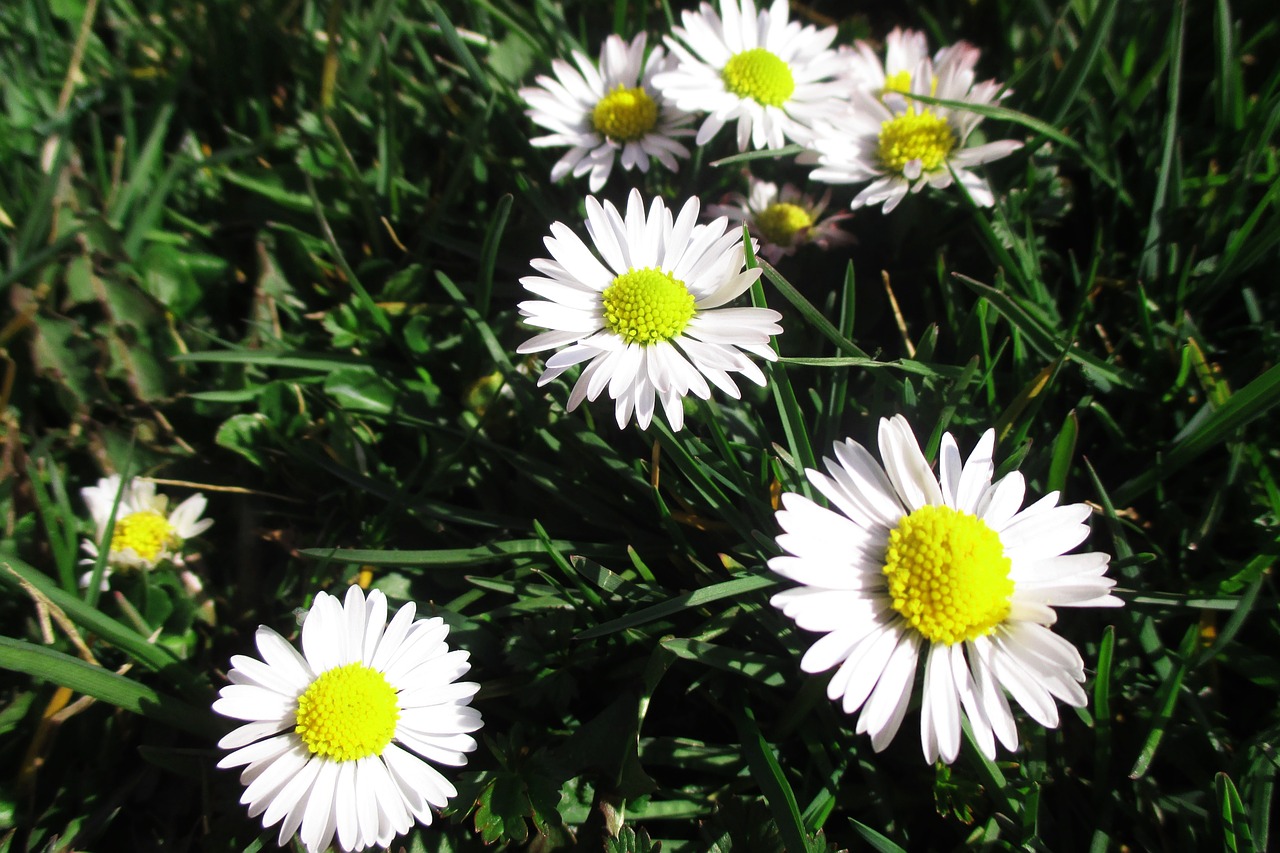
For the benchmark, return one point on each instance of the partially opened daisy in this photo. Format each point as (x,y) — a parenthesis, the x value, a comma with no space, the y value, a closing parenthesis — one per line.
(146,533)
(775,77)
(608,112)
(649,319)
(908,566)
(784,220)
(341,738)
(901,145)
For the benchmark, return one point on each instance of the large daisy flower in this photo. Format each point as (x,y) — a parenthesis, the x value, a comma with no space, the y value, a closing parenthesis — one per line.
(146,533)
(771,74)
(649,319)
(901,145)
(784,219)
(331,735)
(909,565)
(608,111)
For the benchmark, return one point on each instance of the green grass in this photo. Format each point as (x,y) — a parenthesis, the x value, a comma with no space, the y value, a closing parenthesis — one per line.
(272,250)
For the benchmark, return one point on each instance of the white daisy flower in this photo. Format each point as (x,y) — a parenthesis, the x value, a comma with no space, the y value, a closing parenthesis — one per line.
(909,565)
(146,533)
(771,74)
(901,145)
(650,318)
(784,220)
(606,112)
(329,746)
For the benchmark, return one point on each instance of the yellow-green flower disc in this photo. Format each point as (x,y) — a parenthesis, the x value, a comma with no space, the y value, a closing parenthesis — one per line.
(349,712)
(759,75)
(648,305)
(948,575)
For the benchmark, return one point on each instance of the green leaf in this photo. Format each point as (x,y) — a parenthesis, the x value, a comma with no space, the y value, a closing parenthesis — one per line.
(361,389)
(243,434)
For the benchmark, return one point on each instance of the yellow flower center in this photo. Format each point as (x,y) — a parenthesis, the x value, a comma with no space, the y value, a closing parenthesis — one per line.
(759,74)
(645,306)
(948,575)
(923,136)
(348,713)
(147,533)
(900,82)
(625,114)
(778,223)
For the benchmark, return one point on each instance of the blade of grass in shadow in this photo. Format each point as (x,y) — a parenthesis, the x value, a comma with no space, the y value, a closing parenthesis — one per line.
(489,253)
(1102,805)
(1246,405)
(1084,56)
(460,558)
(1166,699)
(726,589)
(1153,250)
(769,776)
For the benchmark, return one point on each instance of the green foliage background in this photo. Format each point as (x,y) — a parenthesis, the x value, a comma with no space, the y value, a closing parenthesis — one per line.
(271,251)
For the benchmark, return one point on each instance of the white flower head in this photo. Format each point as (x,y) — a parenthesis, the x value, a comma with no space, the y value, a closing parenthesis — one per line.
(784,219)
(340,739)
(146,533)
(907,565)
(607,112)
(902,145)
(649,317)
(775,77)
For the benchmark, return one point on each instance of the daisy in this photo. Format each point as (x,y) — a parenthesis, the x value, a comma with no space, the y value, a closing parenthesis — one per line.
(772,75)
(331,735)
(649,319)
(146,533)
(608,111)
(899,144)
(909,565)
(783,219)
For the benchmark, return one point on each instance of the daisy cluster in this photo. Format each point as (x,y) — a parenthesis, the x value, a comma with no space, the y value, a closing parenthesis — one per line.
(902,569)
(644,306)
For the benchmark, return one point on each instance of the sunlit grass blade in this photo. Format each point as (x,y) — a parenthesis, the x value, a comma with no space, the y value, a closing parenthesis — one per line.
(107,686)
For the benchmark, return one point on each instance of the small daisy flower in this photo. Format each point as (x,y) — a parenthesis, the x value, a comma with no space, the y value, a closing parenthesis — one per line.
(784,220)
(901,145)
(909,565)
(649,319)
(772,75)
(336,737)
(146,533)
(607,112)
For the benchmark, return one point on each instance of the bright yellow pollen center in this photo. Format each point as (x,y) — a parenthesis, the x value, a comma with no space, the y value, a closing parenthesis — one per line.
(922,136)
(778,223)
(900,82)
(146,532)
(645,306)
(348,713)
(625,114)
(760,75)
(948,575)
